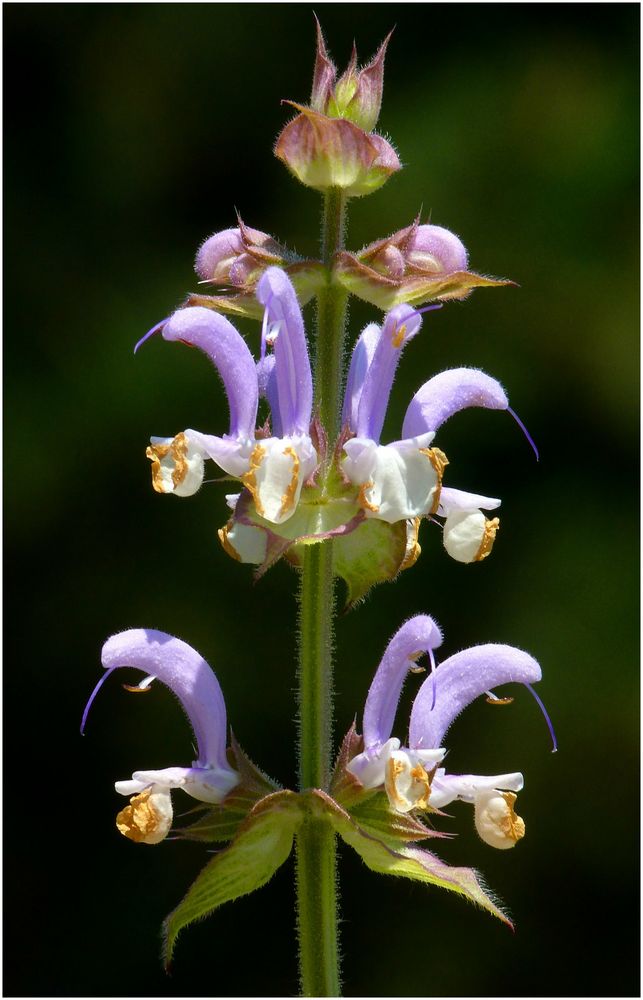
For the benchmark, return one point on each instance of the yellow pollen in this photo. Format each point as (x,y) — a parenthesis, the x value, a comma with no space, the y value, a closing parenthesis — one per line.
(512,825)
(393,770)
(228,547)
(134,689)
(439,461)
(413,548)
(139,820)
(398,336)
(288,499)
(490,528)
(179,449)
(498,701)
(361,499)
(156,452)
(249,478)
(419,775)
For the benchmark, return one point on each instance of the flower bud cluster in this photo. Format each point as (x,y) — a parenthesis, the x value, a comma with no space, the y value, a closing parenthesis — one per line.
(331,143)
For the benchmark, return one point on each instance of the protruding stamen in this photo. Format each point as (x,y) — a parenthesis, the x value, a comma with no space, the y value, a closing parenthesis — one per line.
(542,708)
(142,687)
(92,696)
(525,432)
(150,333)
(493,699)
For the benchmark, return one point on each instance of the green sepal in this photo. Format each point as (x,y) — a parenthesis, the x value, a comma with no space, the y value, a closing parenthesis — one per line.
(415,288)
(406,861)
(371,554)
(307,276)
(262,843)
(370,806)
(221,822)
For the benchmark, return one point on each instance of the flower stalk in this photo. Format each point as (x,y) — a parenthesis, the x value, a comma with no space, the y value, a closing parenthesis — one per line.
(316,840)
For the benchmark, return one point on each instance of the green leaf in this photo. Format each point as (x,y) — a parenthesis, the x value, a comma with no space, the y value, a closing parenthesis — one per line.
(262,844)
(371,554)
(406,861)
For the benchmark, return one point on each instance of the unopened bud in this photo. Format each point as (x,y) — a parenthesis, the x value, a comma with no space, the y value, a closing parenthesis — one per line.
(418,264)
(324,152)
(236,256)
(357,95)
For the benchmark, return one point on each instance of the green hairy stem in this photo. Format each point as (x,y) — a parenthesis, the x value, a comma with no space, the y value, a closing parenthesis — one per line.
(316,844)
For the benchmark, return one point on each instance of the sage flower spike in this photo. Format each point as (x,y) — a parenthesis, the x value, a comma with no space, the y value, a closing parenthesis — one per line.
(447,690)
(273,469)
(148,817)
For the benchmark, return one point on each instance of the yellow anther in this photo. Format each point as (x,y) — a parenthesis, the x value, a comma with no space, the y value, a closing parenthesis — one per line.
(398,335)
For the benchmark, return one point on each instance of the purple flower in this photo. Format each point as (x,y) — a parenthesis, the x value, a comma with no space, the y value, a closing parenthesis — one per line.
(411,775)
(160,656)
(273,468)
(404,479)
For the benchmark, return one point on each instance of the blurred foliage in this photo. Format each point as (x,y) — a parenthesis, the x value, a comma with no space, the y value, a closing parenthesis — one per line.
(132,132)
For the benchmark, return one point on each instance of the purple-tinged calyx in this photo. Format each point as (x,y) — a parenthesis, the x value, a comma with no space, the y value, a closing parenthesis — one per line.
(417,264)
(162,657)
(273,469)
(448,689)
(357,95)
(324,152)
(237,257)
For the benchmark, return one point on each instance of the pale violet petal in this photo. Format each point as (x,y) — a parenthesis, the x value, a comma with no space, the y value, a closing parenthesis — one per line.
(292,365)
(446,788)
(229,353)
(451,499)
(232,455)
(448,393)
(460,679)
(370,767)
(400,325)
(360,360)
(188,676)
(415,637)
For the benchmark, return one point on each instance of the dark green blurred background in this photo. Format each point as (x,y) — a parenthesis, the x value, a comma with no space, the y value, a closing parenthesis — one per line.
(132,132)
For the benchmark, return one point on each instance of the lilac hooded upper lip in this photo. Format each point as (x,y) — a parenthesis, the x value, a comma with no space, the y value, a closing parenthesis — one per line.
(187,675)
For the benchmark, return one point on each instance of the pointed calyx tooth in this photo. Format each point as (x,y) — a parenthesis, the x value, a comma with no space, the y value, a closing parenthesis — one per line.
(148,817)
